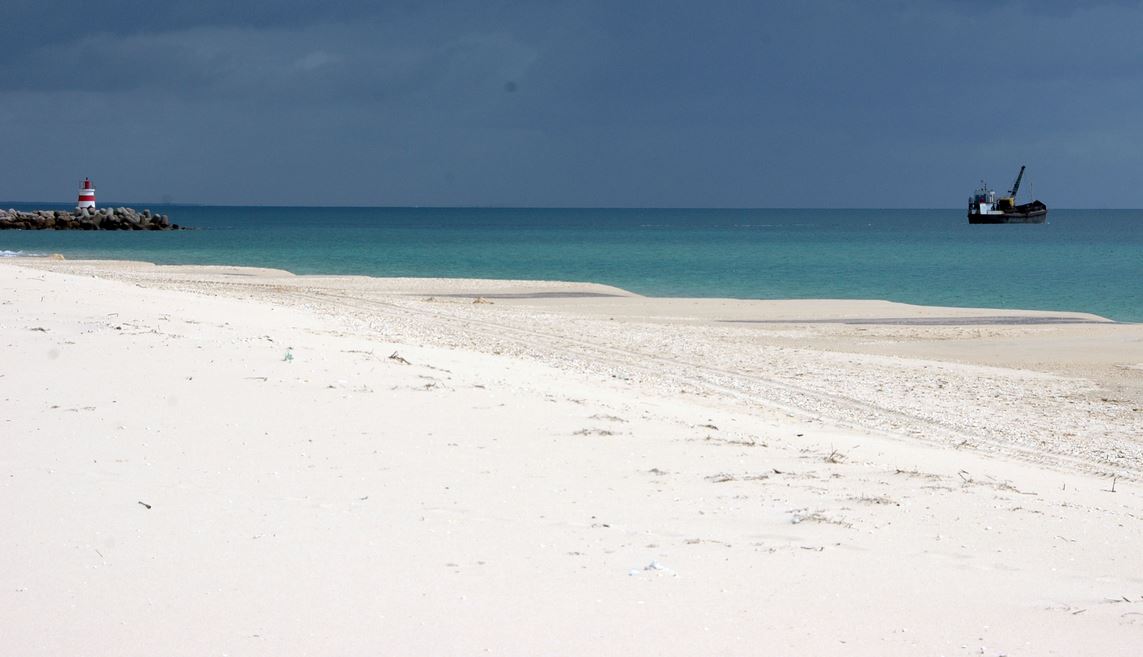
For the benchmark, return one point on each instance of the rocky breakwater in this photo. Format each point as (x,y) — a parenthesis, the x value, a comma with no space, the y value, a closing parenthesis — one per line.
(85,219)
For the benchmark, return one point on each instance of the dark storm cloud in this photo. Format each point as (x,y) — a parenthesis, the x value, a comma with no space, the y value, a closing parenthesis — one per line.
(887,103)
(125,16)
(330,62)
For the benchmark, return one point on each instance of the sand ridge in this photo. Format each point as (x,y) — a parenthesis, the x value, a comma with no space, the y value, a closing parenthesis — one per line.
(917,380)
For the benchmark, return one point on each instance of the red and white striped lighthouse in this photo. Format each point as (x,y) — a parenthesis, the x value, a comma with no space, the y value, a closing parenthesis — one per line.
(86,196)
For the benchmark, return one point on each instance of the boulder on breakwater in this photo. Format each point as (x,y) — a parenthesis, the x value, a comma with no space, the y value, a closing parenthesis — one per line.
(85,219)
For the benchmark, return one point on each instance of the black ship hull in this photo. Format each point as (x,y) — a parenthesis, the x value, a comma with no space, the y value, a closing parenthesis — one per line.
(1029,213)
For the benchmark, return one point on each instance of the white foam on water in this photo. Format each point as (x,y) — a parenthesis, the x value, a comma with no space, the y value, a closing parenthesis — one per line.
(20,254)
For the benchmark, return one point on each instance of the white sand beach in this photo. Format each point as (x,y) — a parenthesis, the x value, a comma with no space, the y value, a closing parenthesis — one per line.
(234,461)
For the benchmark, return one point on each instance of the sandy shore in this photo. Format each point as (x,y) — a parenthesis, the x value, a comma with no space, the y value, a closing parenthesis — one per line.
(218,460)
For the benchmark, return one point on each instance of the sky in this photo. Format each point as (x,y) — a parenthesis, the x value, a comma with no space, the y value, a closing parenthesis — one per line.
(586,103)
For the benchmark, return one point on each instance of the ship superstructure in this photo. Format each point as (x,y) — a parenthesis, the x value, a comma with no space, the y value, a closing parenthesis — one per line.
(985,208)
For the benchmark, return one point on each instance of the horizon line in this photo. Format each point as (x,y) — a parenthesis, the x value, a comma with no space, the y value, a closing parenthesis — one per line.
(51,204)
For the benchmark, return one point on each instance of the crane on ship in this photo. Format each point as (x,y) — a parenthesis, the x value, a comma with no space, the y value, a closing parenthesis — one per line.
(1009,202)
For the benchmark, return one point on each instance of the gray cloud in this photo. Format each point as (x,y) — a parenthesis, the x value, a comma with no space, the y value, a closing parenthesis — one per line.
(886,103)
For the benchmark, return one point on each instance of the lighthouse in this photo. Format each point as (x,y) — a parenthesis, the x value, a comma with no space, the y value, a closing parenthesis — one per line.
(86,196)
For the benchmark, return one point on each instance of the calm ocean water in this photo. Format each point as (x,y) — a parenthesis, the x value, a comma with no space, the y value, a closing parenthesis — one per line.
(1086,260)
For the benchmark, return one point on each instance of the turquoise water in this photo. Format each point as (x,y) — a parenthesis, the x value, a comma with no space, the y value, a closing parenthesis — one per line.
(1086,260)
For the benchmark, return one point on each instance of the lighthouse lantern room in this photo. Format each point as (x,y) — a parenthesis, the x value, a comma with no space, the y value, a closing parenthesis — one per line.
(86,196)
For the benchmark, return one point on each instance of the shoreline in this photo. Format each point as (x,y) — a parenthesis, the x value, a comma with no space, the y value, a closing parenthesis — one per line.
(853,254)
(984,312)
(241,460)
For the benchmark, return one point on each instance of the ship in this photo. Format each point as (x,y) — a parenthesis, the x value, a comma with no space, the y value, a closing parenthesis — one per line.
(985,208)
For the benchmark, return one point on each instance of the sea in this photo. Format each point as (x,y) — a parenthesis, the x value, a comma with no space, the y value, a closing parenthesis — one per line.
(1080,260)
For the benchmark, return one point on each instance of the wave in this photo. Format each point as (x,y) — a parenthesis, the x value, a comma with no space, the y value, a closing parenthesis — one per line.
(20,254)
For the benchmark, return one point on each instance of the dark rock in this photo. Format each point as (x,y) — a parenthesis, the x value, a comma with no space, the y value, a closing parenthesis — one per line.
(120,218)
